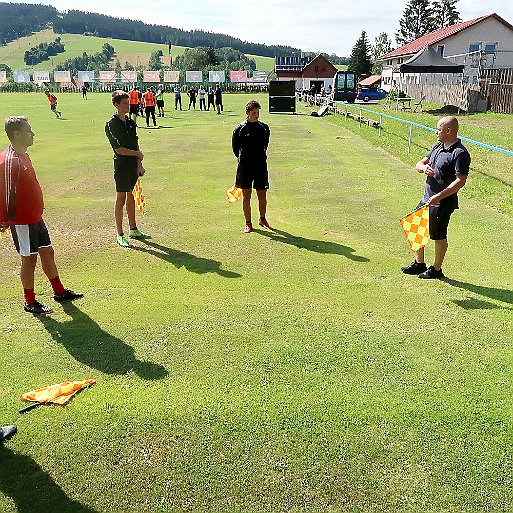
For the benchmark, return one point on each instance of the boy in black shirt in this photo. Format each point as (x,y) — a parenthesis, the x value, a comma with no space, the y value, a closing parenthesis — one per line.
(249,143)
(122,135)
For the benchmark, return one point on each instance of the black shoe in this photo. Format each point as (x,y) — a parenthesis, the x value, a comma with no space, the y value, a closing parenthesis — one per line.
(67,295)
(431,274)
(7,432)
(36,308)
(414,268)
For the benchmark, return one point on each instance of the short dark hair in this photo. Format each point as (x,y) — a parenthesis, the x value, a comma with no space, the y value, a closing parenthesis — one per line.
(118,96)
(13,123)
(252,104)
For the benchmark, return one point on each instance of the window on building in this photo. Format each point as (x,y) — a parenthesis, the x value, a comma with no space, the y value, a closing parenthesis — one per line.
(440,50)
(490,48)
(474,47)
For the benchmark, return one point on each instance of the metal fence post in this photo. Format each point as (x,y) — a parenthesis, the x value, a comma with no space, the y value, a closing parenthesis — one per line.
(409,139)
(380,123)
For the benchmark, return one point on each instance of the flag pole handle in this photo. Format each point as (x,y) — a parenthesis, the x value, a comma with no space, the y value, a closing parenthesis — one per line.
(29,407)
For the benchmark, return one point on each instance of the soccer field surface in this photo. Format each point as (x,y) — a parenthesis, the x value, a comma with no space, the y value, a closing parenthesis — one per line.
(288,370)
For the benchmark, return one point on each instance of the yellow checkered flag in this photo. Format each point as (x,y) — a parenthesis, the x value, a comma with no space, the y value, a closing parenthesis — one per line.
(233,194)
(139,196)
(416,228)
(6,231)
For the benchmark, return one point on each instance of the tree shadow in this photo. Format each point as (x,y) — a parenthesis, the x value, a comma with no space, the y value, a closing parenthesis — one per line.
(504,295)
(179,259)
(317,246)
(94,347)
(31,488)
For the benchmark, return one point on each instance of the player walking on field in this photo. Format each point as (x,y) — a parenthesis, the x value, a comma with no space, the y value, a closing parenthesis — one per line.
(53,103)
(249,143)
(21,209)
(446,166)
(122,134)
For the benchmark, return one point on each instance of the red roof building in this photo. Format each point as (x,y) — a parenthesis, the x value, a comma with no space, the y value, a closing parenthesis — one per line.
(306,72)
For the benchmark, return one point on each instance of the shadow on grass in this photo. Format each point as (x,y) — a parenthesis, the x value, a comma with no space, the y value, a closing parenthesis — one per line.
(92,346)
(31,488)
(504,295)
(317,246)
(182,259)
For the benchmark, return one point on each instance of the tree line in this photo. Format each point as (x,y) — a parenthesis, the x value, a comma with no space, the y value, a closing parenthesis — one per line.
(43,51)
(98,61)
(18,20)
(79,22)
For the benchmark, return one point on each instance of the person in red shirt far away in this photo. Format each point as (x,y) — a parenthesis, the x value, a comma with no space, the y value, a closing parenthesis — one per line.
(21,209)
(53,104)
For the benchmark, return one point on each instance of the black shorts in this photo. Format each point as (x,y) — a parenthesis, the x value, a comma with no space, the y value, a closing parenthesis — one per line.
(29,238)
(439,216)
(134,109)
(252,178)
(125,177)
(160,103)
(53,107)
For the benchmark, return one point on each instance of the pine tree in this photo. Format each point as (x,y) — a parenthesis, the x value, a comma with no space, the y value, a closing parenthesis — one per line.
(360,60)
(445,13)
(415,22)
(382,45)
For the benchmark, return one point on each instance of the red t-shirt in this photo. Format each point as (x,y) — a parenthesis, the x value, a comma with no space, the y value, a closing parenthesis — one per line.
(21,197)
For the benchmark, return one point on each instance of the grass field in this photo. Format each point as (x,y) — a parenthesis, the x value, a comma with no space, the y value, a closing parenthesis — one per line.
(135,52)
(295,370)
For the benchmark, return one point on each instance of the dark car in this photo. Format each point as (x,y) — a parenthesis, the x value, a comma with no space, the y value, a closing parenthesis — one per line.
(371,93)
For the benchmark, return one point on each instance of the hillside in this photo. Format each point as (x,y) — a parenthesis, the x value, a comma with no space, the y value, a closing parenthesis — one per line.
(135,52)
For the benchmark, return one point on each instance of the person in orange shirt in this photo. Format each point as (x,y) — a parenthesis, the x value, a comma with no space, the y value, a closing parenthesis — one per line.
(53,103)
(134,103)
(149,106)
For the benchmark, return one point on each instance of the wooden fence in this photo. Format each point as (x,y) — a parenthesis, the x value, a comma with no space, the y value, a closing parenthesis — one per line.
(497,86)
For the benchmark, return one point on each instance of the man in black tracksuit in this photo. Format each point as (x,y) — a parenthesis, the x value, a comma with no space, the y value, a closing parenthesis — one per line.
(249,143)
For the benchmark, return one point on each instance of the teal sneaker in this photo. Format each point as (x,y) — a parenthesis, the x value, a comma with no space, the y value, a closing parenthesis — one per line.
(120,239)
(137,234)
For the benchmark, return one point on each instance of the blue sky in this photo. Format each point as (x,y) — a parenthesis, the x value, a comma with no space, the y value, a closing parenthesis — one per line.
(331,26)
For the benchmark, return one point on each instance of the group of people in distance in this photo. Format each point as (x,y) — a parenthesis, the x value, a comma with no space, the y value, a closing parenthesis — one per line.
(214,97)
(446,167)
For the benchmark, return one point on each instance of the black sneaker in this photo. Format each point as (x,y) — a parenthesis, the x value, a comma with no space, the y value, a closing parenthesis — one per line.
(67,295)
(414,268)
(7,432)
(431,274)
(36,308)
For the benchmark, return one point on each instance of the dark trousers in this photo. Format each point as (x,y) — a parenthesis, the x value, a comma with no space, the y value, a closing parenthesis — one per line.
(150,110)
(178,100)
(202,103)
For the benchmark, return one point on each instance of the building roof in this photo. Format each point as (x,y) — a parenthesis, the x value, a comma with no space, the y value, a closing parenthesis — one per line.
(370,81)
(439,35)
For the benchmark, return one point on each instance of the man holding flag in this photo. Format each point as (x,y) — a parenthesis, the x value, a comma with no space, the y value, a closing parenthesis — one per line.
(446,166)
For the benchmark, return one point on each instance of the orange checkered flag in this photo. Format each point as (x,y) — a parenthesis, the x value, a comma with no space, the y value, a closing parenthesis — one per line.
(58,394)
(416,228)
(6,231)
(233,194)
(139,196)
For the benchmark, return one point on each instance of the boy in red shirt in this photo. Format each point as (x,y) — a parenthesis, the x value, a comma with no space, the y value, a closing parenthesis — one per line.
(53,103)
(21,208)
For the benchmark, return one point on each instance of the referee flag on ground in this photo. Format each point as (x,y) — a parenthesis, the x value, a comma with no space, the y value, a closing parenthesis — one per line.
(58,394)
(416,228)
(139,196)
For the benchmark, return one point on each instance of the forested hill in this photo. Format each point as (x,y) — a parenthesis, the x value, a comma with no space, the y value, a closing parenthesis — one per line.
(79,22)
(17,20)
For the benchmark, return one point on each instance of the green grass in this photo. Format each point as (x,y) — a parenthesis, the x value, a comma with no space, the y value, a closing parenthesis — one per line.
(295,370)
(135,52)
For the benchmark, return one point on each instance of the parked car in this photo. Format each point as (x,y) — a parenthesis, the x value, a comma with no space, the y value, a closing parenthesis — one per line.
(371,93)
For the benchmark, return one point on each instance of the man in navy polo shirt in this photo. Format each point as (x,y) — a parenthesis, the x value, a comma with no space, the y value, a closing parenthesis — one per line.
(446,166)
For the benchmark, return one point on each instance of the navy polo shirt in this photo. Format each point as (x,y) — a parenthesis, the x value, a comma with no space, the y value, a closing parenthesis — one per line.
(447,163)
